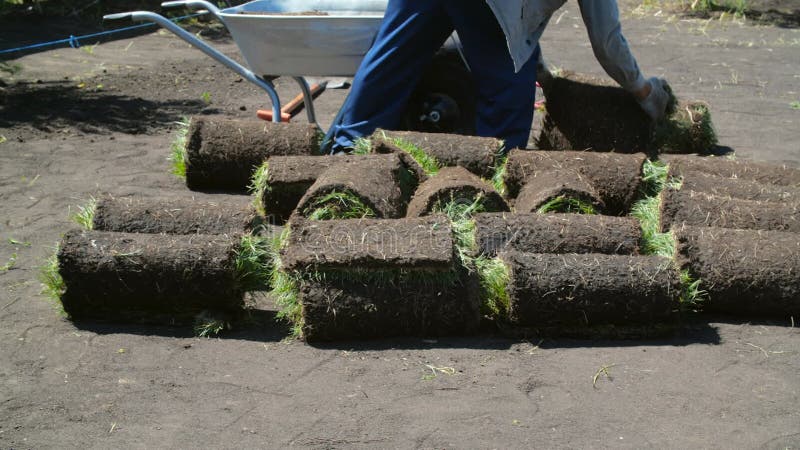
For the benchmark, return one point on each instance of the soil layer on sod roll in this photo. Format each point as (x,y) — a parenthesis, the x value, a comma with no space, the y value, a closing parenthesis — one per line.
(697,181)
(587,113)
(590,289)
(556,233)
(683,207)
(419,243)
(746,170)
(374,179)
(615,177)
(289,177)
(544,186)
(474,153)
(151,277)
(744,271)
(200,214)
(222,154)
(454,184)
(405,306)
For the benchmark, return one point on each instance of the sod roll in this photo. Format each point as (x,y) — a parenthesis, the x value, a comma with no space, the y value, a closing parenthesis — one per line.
(198,214)
(590,289)
(615,177)
(151,277)
(683,207)
(723,167)
(476,154)
(588,113)
(693,180)
(222,154)
(370,244)
(556,233)
(372,180)
(564,189)
(454,184)
(744,271)
(399,306)
(287,180)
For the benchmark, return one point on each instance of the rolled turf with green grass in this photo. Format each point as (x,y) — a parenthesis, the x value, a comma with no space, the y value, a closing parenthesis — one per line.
(725,167)
(195,214)
(223,154)
(684,207)
(155,278)
(418,243)
(368,186)
(556,233)
(697,181)
(584,290)
(454,184)
(479,155)
(748,272)
(558,191)
(589,113)
(616,178)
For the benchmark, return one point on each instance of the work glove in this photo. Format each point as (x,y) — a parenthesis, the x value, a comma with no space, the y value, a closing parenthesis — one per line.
(655,104)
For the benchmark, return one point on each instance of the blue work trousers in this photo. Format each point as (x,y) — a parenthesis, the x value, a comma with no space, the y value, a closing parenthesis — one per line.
(411,32)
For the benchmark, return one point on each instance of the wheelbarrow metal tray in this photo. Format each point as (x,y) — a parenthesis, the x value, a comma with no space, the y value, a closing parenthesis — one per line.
(304,37)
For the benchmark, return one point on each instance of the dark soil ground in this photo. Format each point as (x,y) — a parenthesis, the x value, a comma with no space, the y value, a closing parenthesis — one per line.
(720,382)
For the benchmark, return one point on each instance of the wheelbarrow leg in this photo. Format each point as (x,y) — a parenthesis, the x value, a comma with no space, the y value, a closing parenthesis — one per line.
(308,99)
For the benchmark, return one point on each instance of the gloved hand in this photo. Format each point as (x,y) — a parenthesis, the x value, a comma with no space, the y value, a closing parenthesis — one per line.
(655,104)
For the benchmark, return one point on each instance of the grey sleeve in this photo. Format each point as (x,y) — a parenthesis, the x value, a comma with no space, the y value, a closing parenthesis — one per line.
(610,47)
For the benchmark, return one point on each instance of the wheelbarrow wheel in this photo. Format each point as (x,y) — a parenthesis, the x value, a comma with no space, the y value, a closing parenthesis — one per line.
(444,101)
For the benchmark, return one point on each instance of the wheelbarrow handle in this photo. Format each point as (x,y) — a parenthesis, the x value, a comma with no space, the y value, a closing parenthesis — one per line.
(247,74)
(195,4)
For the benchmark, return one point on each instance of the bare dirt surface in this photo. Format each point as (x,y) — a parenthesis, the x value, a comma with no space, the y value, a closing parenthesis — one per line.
(79,123)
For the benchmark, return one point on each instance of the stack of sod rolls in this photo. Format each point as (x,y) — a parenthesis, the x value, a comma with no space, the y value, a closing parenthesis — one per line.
(571,274)
(731,194)
(606,181)
(587,113)
(160,260)
(730,226)
(364,278)
(334,187)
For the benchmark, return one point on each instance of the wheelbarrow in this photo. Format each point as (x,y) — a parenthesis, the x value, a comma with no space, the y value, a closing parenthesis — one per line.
(299,38)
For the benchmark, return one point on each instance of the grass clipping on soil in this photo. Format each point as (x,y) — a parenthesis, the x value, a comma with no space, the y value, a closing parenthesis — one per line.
(84,214)
(429,164)
(53,286)
(259,187)
(285,286)
(499,178)
(493,274)
(648,211)
(177,155)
